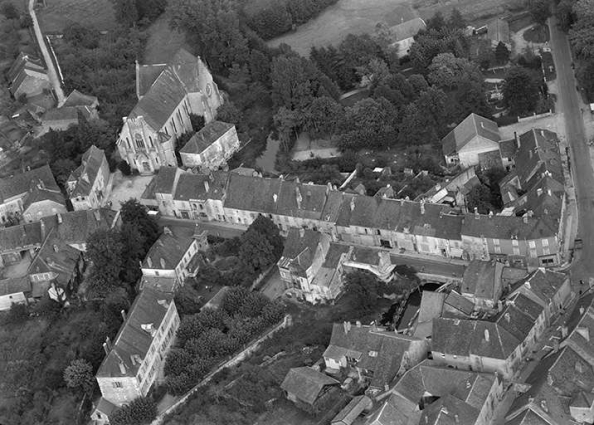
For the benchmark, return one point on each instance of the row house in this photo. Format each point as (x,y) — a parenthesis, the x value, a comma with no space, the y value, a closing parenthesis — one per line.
(167,95)
(134,361)
(490,346)
(87,186)
(211,147)
(200,197)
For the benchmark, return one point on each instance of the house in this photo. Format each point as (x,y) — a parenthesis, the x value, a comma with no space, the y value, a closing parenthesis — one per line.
(102,410)
(453,191)
(498,32)
(14,290)
(482,283)
(328,282)
(29,196)
(200,196)
(474,136)
(74,228)
(56,269)
(133,362)
(375,261)
(76,105)
(28,77)
(167,95)
(489,346)
(429,390)
(551,290)
(173,254)
(211,147)
(353,410)
(377,355)
(303,255)
(404,33)
(308,388)
(19,243)
(161,191)
(87,185)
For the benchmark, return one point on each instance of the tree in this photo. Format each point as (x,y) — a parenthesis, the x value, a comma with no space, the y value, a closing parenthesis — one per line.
(520,91)
(79,375)
(584,75)
(456,20)
(322,117)
(369,123)
(126,12)
(198,122)
(448,72)
(136,214)
(437,22)
(61,169)
(582,39)
(540,10)
(502,53)
(256,252)
(234,300)
(9,10)
(230,113)
(479,197)
(82,36)
(187,300)
(471,98)
(362,287)
(105,250)
(18,313)
(140,411)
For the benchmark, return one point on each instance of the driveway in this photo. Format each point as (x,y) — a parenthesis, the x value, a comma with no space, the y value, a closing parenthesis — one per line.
(569,104)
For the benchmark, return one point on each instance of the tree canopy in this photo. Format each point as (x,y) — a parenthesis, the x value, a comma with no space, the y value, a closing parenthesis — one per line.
(520,91)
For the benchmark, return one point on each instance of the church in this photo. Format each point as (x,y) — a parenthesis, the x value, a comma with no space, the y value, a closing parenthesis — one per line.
(167,95)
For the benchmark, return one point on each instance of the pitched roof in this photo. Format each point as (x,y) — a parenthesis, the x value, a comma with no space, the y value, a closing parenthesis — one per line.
(84,176)
(508,227)
(301,200)
(201,186)
(169,88)
(21,237)
(529,417)
(20,61)
(252,193)
(472,126)
(300,248)
(75,227)
(459,303)
(431,305)
(545,284)
(449,410)
(464,337)
(407,29)
(352,410)
(483,279)
(76,98)
(57,257)
(169,249)
(39,193)
(165,179)
(105,406)
(22,183)
(306,383)
(209,134)
(15,285)
(376,350)
(150,307)
(508,148)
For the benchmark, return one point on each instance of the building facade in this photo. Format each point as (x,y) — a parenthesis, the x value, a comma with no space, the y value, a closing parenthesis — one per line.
(211,147)
(87,185)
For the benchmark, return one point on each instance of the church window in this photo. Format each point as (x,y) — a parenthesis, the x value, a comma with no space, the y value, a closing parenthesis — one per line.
(166,132)
(174,127)
(139,141)
(128,142)
(151,142)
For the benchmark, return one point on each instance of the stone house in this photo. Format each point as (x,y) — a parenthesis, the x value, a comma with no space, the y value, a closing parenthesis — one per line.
(87,185)
(482,283)
(18,243)
(27,77)
(200,196)
(211,147)
(14,290)
(133,361)
(167,95)
(306,387)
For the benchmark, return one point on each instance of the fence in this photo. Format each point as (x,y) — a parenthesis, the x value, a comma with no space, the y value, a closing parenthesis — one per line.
(535,117)
(239,357)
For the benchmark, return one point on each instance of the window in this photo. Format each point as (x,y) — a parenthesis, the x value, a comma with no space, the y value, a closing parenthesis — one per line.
(497,249)
(151,142)
(128,143)
(545,242)
(514,242)
(173,123)
(117,384)
(532,244)
(516,251)
(139,142)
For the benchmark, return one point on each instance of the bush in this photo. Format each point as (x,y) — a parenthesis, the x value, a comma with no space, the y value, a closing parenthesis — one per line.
(18,313)
(140,411)
(124,167)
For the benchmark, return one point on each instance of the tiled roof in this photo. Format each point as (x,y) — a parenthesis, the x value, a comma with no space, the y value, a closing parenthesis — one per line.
(75,227)
(407,29)
(38,193)
(391,414)
(570,373)
(209,134)
(301,200)
(170,87)
(201,186)
(76,98)
(334,253)
(518,322)
(352,410)
(508,148)
(56,256)
(483,279)
(529,417)
(106,407)
(449,410)
(21,237)
(20,61)
(19,184)
(545,283)
(306,383)
(459,303)
(146,76)
(253,194)
(431,305)
(360,343)
(502,227)
(473,125)
(68,113)
(84,176)
(169,249)
(149,307)
(15,285)
(300,248)
(165,179)
(464,337)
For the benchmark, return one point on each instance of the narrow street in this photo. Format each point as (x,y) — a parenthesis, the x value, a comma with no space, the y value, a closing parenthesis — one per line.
(51,70)
(569,104)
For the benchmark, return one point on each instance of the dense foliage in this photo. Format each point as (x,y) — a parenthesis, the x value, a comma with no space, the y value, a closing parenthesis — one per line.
(577,16)
(140,411)
(207,337)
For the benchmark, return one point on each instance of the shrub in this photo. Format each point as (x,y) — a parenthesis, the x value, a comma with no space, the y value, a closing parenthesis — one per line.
(18,313)
(140,411)
(124,167)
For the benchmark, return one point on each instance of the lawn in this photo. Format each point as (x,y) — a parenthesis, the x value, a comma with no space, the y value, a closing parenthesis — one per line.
(58,14)
(472,10)
(345,17)
(162,42)
(537,34)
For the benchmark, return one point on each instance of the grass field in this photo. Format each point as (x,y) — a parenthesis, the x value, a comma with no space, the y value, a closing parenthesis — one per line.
(162,42)
(475,11)
(345,17)
(58,14)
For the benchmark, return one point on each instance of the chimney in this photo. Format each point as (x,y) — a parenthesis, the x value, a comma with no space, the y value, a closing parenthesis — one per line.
(487,335)
(490,214)
(274,197)
(476,213)
(564,331)
(549,192)
(106,348)
(525,218)
(543,406)
(507,318)
(108,343)
(97,215)
(298,197)
(353,203)
(538,191)
(345,327)
(123,313)
(422,208)
(358,323)
(167,231)
(456,418)
(59,218)
(162,262)
(582,309)
(122,367)
(206,186)
(518,143)
(149,260)
(301,232)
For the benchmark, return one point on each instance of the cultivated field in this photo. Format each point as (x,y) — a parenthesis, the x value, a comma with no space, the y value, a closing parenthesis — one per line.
(345,17)
(58,14)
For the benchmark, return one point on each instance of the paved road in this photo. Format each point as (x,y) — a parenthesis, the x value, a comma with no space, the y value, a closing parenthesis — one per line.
(581,165)
(51,70)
